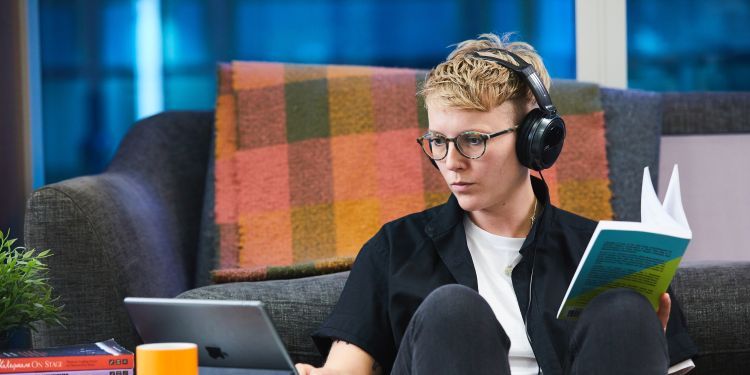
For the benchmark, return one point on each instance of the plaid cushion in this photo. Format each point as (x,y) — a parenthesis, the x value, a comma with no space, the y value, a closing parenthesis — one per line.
(311,160)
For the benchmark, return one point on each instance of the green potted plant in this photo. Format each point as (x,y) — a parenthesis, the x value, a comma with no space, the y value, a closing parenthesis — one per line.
(25,294)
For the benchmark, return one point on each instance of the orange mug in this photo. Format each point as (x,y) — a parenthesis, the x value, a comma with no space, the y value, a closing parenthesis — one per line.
(169,358)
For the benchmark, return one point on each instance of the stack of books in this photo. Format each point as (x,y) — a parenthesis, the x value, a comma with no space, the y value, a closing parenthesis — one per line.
(101,358)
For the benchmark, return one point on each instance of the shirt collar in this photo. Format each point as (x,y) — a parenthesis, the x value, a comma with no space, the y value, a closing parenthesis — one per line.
(447,233)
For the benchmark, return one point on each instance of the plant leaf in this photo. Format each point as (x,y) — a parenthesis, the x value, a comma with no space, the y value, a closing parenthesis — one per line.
(25,293)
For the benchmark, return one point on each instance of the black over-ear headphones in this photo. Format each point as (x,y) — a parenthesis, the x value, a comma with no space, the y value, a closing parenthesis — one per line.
(542,132)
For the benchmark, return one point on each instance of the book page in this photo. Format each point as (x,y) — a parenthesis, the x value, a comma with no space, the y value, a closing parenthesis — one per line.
(670,214)
(673,200)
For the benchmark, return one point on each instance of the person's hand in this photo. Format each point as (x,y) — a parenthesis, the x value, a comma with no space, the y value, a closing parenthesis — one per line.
(305,369)
(344,358)
(665,306)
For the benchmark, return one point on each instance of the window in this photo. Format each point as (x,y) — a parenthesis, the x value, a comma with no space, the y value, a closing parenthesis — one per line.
(689,45)
(91,64)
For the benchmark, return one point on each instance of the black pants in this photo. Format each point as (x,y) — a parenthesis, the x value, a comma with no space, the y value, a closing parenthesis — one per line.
(454,331)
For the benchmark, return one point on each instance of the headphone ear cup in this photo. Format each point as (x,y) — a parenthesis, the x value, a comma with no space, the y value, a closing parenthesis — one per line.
(551,139)
(540,140)
(525,138)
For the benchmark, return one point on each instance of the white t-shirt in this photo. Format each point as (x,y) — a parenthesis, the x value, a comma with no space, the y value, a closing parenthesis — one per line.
(492,255)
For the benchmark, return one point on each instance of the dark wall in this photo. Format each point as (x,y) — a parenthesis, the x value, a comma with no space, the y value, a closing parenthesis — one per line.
(12,174)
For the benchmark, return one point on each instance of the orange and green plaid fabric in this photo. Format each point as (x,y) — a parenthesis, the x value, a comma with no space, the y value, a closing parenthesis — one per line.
(312,159)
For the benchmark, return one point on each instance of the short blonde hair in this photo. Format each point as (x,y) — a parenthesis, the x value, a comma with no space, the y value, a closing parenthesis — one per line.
(466,82)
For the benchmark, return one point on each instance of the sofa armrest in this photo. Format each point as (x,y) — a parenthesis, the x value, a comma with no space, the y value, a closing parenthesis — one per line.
(297,307)
(130,231)
(106,247)
(716,303)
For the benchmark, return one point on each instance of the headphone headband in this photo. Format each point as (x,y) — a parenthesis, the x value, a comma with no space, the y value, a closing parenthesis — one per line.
(527,70)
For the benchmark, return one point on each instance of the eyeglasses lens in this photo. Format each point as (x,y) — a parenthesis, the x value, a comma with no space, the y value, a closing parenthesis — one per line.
(470,145)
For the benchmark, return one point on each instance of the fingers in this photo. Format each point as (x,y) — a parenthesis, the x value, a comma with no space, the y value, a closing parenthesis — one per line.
(665,306)
(304,368)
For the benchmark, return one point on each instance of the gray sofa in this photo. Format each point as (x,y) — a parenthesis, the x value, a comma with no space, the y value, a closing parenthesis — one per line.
(143,228)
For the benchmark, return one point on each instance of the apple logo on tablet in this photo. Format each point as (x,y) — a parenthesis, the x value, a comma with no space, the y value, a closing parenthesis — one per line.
(216,352)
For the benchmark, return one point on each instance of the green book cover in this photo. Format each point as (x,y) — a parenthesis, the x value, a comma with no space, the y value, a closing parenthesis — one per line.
(642,256)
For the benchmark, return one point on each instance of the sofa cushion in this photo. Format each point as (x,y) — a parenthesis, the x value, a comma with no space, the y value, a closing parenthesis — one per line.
(297,307)
(716,303)
(688,113)
(713,297)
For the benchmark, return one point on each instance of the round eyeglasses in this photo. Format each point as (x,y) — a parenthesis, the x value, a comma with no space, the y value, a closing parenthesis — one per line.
(470,144)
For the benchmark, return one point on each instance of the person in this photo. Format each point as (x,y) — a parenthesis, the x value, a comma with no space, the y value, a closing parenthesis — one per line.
(473,286)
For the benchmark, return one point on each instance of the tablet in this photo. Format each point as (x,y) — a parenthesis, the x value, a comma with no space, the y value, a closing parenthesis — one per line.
(230,334)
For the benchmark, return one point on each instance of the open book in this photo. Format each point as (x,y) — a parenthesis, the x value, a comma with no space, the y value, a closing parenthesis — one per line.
(641,256)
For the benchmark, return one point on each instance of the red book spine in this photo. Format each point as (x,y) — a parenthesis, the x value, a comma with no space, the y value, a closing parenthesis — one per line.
(71,363)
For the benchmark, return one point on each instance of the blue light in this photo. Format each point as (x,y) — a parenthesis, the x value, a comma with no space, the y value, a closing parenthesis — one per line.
(149,59)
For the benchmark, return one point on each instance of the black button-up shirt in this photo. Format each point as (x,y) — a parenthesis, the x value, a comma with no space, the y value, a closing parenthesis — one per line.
(412,256)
